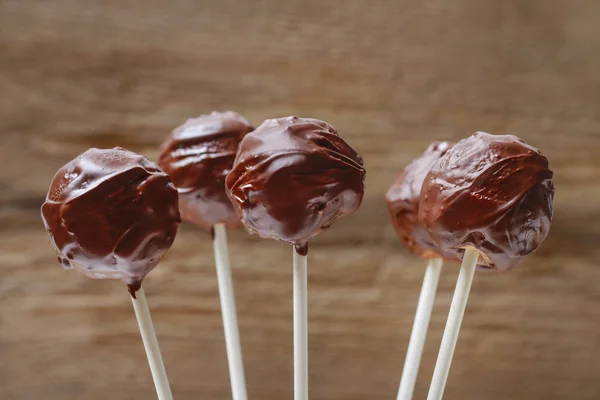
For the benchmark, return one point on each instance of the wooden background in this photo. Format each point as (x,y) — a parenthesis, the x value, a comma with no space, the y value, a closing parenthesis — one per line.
(391,76)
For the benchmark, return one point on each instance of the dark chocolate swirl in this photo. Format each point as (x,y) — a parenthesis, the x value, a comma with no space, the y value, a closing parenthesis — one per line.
(197,156)
(402,199)
(293,177)
(492,192)
(111,214)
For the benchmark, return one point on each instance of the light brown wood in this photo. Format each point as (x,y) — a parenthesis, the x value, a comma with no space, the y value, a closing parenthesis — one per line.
(391,76)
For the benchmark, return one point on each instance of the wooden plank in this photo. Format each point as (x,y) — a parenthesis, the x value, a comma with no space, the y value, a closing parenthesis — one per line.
(391,76)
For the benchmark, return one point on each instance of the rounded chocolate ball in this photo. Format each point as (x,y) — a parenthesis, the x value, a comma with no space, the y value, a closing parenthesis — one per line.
(293,177)
(402,199)
(111,214)
(197,156)
(491,192)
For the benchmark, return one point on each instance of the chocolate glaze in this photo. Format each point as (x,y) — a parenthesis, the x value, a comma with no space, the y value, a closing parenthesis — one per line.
(293,177)
(402,199)
(197,156)
(492,192)
(111,214)
(301,249)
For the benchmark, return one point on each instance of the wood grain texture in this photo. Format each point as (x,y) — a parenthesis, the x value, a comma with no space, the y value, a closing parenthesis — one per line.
(391,76)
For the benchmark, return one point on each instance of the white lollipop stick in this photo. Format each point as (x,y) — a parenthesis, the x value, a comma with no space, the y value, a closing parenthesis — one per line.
(457,311)
(230,325)
(300,327)
(419,330)
(157,367)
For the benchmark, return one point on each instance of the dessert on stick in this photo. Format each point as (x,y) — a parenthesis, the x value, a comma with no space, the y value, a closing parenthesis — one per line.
(197,156)
(112,214)
(292,177)
(402,200)
(489,196)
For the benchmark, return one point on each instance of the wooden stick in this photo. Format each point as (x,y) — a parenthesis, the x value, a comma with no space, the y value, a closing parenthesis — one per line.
(300,327)
(230,324)
(157,367)
(457,311)
(419,330)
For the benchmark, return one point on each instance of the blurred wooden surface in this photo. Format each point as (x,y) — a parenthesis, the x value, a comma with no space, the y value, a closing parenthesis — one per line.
(391,76)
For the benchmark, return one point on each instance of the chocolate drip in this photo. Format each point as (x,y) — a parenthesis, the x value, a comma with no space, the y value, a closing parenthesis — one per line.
(302,249)
(133,287)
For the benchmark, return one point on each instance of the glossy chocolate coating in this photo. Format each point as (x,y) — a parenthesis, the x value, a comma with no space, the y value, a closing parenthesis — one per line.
(111,214)
(197,156)
(492,192)
(402,200)
(293,177)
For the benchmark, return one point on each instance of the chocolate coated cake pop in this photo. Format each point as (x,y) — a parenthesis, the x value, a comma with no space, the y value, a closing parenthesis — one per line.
(197,156)
(293,177)
(402,200)
(111,214)
(492,192)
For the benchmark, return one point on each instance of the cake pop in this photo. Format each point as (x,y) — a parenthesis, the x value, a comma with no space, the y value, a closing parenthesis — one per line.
(198,155)
(491,197)
(292,177)
(112,214)
(491,192)
(402,200)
